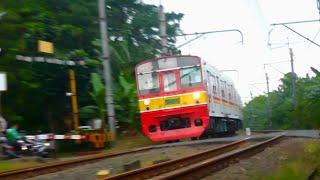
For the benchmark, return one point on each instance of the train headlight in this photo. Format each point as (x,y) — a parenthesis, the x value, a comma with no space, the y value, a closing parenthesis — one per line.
(146,102)
(196,95)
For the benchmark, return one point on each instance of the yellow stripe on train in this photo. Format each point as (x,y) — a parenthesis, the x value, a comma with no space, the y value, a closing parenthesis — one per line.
(179,100)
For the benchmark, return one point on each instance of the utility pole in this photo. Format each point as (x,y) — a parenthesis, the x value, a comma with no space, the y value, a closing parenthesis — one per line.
(107,70)
(251,95)
(318,5)
(269,110)
(251,111)
(293,80)
(163,31)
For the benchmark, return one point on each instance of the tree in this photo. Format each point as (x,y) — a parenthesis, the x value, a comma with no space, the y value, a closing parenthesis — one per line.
(284,116)
(72,26)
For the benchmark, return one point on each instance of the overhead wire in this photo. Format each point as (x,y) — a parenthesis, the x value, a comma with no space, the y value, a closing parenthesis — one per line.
(315,37)
(276,69)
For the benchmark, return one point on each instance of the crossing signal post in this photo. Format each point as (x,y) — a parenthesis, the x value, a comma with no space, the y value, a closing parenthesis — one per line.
(74,101)
(97,137)
(47,47)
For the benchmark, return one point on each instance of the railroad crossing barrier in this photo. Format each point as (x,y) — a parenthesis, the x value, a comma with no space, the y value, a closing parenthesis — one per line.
(56,137)
(96,138)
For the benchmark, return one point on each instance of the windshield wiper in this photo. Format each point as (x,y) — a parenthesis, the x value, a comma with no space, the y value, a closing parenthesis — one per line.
(197,68)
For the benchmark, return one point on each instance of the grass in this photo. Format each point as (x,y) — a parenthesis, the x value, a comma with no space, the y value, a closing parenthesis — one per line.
(12,165)
(299,167)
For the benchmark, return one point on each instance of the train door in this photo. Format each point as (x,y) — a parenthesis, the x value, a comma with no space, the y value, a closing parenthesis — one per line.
(215,95)
(209,92)
(223,97)
(219,96)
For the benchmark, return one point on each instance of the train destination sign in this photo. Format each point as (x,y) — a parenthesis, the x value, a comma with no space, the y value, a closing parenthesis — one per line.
(49,60)
(172,101)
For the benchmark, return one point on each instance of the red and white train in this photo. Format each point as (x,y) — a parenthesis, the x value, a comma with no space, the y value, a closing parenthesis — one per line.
(185,97)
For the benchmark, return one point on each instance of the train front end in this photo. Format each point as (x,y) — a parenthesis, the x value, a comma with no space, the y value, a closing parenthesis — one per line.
(172,98)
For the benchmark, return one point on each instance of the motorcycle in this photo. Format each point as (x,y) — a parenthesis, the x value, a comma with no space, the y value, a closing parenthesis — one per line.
(25,147)
(40,148)
(16,150)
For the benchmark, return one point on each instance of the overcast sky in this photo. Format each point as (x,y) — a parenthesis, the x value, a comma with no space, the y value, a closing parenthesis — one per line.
(253,18)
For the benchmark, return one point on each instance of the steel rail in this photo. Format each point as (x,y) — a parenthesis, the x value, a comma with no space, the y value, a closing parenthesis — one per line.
(158,169)
(204,168)
(58,166)
(266,131)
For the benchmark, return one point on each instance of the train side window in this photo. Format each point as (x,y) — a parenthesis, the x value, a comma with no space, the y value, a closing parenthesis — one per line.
(214,87)
(214,90)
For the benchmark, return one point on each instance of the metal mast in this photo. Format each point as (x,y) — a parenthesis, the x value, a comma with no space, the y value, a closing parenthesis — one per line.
(106,65)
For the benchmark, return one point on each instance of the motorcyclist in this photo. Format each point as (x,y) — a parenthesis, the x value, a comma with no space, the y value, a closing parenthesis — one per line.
(13,135)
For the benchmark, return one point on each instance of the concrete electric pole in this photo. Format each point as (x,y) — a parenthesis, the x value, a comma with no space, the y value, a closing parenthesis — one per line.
(293,80)
(163,31)
(107,70)
(269,110)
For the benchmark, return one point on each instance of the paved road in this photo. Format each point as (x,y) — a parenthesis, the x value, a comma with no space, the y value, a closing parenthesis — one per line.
(303,133)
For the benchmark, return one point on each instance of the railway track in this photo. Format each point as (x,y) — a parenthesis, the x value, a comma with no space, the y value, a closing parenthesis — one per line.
(161,168)
(266,131)
(198,165)
(58,166)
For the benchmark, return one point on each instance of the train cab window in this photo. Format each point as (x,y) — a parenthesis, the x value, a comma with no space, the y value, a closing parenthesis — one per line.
(190,77)
(148,83)
(167,63)
(170,82)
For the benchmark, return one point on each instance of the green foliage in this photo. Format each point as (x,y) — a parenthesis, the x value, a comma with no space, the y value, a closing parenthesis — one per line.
(126,103)
(97,94)
(298,170)
(36,93)
(300,167)
(284,114)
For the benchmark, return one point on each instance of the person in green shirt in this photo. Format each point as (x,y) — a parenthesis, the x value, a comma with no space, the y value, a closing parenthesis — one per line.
(12,134)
